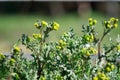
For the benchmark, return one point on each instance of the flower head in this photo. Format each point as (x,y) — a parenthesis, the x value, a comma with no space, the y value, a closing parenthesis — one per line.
(118,47)
(112,66)
(87,53)
(92,22)
(95,78)
(16,49)
(2,56)
(108,69)
(37,36)
(12,61)
(115,25)
(36,25)
(44,23)
(55,26)
(90,19)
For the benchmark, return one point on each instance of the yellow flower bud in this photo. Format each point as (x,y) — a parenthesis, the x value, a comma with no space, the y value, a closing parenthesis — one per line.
(95,78)
(87,53)
(2,56)
(112,66)
(90,23)
(118,47)
(102,75)
(115,25)
(62,43)
(116,20)
(108,69)
(58,47)
(91,37)
(55,26)
(44,23)
(87,37)
(83,50)
(12,61)
(16,49)
(94,22)
(108,64)
(108,26)
(37,36)
(36,25)
(112,19)
(90,19)
(105,22)
(108,22)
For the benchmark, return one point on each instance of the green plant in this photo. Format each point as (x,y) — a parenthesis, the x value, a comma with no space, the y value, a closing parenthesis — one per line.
(73,57)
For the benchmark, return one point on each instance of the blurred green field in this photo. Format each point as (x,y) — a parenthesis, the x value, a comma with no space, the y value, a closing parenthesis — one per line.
(12,26)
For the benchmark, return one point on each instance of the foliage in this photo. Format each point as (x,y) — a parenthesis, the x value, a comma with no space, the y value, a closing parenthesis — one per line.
(73,57)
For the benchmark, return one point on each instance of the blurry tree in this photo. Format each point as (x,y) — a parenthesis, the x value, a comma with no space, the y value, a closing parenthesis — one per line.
(84,8)
(56,8)
(112,9)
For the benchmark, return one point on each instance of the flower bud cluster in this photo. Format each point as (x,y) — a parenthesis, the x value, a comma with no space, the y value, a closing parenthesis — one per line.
(101,76)
(112,23)
(92,22)
(109,67)
(88,51)
(61,44)
(53,26)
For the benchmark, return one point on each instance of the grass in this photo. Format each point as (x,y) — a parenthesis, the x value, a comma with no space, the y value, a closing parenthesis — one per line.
(12,26)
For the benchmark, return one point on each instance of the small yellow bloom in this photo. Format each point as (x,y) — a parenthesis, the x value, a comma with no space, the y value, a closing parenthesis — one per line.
(95,78)
(37,36)
(105,22)
(58,47)
(115,25)
(112,66)
(94,22)
(108,64)
(2,56)
(90,23)
(12,61)
(55,26)
(65,34)
(91,37)
(108,26)
(44,23)
(116,20)
(16,49)
(29,39)
(93,51)
(108,69)
(118,47)
(87,53)
(90,19)
(36,25)
(109,22)
(102,75)
(112,19)
(83,50)
(87,37)
(62,43)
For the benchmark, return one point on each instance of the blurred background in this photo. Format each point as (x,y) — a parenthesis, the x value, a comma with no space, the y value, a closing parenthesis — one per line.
(17,18)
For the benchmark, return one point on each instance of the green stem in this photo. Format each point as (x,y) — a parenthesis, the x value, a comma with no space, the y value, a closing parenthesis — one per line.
(100,41)
(40,64)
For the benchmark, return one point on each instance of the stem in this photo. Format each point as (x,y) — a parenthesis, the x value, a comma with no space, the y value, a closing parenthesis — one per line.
(40,64)
(100,41)
(99,46)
